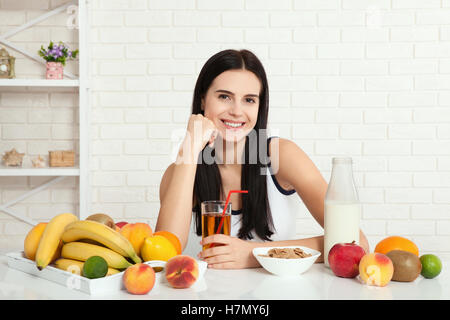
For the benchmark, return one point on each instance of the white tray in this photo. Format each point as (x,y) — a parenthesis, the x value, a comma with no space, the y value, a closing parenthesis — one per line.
(106,285)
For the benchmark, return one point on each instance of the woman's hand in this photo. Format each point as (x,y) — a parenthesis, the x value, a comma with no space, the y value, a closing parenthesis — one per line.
(200,132)
(233,253)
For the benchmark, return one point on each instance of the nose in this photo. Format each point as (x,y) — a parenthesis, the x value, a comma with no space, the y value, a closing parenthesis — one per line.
(236,109)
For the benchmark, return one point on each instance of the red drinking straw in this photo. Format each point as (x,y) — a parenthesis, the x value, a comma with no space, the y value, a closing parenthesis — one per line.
(226,205)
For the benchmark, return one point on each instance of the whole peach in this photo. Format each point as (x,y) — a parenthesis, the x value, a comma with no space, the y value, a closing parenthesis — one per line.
(136,233)
(139,278)
(181,271)
(376,269)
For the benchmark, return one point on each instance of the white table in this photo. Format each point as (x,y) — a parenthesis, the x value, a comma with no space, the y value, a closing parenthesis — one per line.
(317,283)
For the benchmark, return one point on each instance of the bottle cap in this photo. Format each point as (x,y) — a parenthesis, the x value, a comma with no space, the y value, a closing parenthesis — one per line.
(342,160)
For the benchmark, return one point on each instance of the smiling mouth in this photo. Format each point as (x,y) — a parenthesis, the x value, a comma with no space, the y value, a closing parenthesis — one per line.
(233,124)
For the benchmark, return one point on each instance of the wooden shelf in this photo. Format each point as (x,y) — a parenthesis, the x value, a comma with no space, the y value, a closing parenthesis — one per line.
(38,83)
(71,82)
(23,171)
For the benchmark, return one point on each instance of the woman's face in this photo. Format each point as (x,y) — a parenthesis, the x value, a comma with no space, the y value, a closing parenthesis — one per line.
(232,103)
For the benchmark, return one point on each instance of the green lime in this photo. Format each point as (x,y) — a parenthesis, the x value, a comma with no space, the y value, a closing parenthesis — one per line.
(95,267)
(431,266)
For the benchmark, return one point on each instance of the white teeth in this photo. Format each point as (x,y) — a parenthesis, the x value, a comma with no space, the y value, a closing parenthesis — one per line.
(234,125)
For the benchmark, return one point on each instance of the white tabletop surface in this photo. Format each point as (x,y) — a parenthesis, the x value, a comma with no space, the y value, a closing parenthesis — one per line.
(318,283)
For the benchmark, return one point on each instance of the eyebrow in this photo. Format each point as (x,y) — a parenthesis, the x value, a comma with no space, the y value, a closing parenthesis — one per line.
(231,93)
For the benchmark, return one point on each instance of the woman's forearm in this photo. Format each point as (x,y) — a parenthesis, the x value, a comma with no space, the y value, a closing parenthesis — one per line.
(176,203)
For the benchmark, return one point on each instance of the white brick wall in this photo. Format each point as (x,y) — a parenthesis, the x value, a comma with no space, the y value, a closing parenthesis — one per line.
(363,78)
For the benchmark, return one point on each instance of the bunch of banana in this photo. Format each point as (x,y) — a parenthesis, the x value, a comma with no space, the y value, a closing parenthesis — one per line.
(98,232)
(82,251)
(51,237)
(76,267)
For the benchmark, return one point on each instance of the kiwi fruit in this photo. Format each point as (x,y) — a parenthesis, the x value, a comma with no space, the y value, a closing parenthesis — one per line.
(407,266)
(102,218)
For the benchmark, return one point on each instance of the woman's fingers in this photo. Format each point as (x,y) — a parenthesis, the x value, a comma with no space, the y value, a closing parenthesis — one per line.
(213,138)
(200,131)
(221,255)
(223,265)
(216,238)
(215,251)
(218,262)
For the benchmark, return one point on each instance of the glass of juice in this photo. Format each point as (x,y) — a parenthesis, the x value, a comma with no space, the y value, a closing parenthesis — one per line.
(211,217)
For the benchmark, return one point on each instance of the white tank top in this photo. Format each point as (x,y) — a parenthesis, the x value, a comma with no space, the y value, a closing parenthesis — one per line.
(284,206)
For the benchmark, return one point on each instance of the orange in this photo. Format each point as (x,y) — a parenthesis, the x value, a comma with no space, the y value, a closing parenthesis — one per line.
(157,248)
(172,238)
(396,243)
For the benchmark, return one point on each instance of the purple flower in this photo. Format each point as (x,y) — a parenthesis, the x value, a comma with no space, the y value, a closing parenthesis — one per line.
(69,53)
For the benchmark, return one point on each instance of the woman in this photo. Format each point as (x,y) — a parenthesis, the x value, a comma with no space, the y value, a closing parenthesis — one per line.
(230,105)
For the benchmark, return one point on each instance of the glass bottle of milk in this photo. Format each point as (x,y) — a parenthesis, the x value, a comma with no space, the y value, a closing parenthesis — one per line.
(342,207)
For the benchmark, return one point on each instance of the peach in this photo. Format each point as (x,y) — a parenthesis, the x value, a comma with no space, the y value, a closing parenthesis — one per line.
(181,271)
(376,269)
(139,278)
(136,233)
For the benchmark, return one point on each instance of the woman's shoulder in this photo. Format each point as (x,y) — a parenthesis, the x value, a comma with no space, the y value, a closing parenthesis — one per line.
(283,149)
(285,158)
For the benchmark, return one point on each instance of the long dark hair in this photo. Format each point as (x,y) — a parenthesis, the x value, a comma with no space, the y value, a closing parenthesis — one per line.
(256,213)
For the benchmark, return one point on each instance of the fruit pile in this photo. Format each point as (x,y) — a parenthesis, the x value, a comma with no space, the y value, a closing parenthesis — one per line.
(394,258)
(97,247)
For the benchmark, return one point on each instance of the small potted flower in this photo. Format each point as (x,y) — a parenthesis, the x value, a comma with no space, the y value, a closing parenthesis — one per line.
(56,56)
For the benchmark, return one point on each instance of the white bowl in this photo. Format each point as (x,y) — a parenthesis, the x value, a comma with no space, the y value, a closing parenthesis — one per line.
(285,267)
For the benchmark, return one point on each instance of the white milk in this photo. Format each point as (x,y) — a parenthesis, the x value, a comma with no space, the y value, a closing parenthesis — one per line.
(341,224)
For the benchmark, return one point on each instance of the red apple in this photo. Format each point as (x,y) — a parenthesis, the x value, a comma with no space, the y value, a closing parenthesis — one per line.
(344,259)
(121,224)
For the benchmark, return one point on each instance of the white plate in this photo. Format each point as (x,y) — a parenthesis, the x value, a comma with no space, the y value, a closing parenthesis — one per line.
(285,267)
(105,285)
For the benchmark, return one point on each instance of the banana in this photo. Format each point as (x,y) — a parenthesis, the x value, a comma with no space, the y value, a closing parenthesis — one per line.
(82,251)
(87,229)
(75,266)
(51,237)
